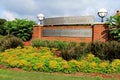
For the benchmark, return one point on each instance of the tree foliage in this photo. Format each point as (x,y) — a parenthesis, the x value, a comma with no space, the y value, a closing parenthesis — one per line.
(2,29)
(21,28)
(114,24)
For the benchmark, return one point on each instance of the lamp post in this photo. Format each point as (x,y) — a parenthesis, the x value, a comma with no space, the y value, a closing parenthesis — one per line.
(40,18)
(102,13)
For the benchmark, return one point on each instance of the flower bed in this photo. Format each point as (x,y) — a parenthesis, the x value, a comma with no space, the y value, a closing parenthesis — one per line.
(29,58)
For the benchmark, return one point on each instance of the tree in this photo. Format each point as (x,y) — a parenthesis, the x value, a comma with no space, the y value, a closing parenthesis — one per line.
(2,29)
(21,28)
(114,24)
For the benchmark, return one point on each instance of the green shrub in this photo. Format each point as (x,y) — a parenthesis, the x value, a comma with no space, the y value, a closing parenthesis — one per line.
(10,41)
(112,48)
(97,49)
(114,24)
(37,43)
(2,28)
(108,50)
(74,50)
(69,50)
(50,44)
(1,37)
(21,28)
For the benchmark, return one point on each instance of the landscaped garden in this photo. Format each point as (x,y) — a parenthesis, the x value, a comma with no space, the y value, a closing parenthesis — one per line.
(44,59)
(54,56)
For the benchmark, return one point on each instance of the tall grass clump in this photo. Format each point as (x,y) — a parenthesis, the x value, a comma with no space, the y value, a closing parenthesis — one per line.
(69,50)
(105,50)
(10,41)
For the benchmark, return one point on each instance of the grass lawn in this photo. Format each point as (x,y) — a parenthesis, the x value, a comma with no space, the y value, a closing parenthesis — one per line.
(23,75)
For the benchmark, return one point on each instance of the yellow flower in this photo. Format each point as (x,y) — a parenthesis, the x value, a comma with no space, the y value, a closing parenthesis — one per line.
(4,54)
(90,56)
(65,65)
(103,64)
(116,62)
(93,65)
(9,60)
(54,49)
(22,63)
(45,49)
(40,65)
(34,55)
(46,56)
(58,59)
(53,64)
(19,47)
(113,69)
(74,62)
(81,64)
(14,63)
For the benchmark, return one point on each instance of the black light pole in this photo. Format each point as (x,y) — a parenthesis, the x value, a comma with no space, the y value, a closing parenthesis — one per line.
(102,19)
(102,13)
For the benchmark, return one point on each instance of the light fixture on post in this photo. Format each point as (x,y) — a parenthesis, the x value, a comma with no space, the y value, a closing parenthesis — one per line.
(102,13)
(40,18)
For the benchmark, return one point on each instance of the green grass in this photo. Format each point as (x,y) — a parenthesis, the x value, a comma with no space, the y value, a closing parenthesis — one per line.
(22,75)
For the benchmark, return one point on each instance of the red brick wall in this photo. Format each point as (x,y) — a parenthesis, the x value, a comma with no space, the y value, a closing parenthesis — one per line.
(37,32)
(99,33)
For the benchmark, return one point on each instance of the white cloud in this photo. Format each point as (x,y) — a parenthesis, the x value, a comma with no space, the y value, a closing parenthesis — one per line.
(50,8)
(9,15)
(20,6)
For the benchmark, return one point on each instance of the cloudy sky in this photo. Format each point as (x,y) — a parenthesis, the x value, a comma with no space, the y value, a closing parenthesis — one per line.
(10,9)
